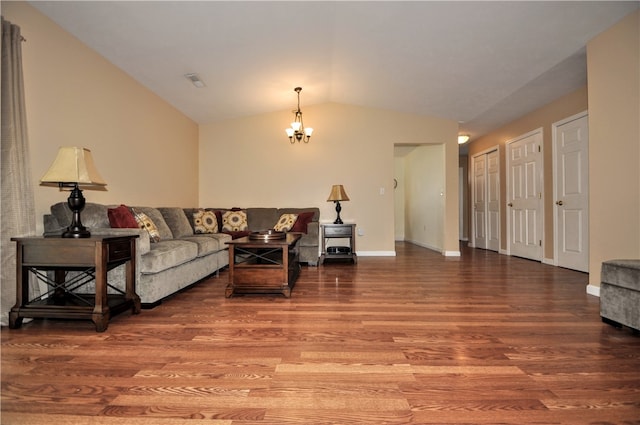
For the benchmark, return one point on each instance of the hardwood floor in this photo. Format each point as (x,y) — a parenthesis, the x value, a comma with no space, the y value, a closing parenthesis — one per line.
(413,339)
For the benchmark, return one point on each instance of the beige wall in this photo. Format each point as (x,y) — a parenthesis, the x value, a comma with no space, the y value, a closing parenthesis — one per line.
(613,60)
(544,117)
(146,150)
(250,162)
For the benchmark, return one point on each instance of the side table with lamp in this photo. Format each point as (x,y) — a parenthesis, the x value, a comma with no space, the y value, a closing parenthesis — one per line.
(49,259)
(338,230)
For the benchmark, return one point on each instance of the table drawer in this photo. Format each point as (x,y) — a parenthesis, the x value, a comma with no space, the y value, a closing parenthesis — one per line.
(120,250)
(341,231)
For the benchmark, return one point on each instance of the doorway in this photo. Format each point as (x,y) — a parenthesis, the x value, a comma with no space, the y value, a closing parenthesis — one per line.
(418,198)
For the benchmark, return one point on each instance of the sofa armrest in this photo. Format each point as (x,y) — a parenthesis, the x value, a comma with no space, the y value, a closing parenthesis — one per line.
(313,229)
(311,238)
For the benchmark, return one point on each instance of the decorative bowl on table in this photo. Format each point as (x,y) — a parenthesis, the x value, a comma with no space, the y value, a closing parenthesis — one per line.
(267,235)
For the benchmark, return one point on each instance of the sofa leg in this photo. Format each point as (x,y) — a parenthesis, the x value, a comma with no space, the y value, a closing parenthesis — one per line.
(611,322)
(149,306)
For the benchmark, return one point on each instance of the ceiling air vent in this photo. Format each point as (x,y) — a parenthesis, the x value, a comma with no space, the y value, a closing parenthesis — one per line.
(195,79)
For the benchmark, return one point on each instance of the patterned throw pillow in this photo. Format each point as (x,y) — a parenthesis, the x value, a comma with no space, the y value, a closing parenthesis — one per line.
(234,221)
(285,223)
(205,222)
(144,222)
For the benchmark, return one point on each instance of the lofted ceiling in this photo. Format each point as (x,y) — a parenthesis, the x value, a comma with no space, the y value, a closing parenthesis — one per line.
(480,63)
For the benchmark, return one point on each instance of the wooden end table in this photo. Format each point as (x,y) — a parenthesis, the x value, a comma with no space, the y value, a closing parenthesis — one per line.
(92,257)
(262,267)
(338,231)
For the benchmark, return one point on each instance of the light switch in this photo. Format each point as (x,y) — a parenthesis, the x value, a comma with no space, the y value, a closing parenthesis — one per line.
(382,191)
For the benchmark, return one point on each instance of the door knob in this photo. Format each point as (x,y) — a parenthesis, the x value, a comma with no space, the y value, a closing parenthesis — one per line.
(560,203)
(510,204)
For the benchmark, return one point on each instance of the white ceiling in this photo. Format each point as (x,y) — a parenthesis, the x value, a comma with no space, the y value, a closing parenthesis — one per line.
(480,63)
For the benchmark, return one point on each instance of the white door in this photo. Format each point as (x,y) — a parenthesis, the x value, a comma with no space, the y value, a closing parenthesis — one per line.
(493,200)
(486,200)
(524,196)
(571,192)
(479,190)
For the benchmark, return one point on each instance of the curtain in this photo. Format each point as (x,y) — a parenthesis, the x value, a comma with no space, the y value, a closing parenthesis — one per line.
(17,210)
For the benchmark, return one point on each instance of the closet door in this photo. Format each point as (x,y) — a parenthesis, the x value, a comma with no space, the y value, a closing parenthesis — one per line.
(479,201)
(493,200)
(486,200)
(524,196)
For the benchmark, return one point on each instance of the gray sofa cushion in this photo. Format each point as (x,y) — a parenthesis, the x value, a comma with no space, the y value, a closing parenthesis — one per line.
(188,212)
(262,218)
(157,218)
(166,254)
(177,222)
(209,243)
(92,216)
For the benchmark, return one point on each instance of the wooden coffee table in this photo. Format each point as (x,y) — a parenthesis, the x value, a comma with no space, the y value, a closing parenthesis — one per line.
(263,266)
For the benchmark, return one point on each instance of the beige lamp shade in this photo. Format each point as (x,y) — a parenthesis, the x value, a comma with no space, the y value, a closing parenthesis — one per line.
(338,193)
(73,165)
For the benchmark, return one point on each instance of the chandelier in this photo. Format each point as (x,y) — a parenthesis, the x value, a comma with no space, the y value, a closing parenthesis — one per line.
(297,132)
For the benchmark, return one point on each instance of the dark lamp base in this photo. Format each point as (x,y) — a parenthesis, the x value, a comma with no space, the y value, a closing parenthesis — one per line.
(76,204)
(76,233)
(338,209)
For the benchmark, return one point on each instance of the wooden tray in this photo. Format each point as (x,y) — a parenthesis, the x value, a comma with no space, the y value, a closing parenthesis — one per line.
(267,235)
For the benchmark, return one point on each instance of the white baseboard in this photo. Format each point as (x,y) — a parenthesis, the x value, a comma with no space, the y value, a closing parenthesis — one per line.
(452,254)
(593,290)
(549,261)
(376,253)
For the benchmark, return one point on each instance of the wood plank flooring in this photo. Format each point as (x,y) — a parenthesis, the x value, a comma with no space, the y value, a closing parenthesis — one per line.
(413,339)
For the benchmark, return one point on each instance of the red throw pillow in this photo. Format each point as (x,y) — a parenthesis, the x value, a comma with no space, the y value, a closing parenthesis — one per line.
(122,218)
(237,234)
(218,214)
(300,225)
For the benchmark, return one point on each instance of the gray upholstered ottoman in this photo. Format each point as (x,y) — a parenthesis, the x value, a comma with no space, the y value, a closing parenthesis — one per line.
(620,293)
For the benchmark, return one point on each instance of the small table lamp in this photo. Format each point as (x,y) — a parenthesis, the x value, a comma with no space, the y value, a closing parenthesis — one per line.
(338,194)
(72,168)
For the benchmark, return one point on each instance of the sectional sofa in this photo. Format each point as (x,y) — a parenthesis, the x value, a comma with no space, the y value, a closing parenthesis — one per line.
(620,293)
(174,256)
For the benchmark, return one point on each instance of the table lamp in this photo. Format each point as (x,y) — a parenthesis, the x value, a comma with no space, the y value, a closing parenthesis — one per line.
(74,168)
(338,194)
